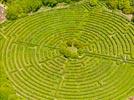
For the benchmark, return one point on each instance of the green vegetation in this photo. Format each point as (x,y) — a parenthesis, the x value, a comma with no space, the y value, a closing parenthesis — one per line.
(75,53)
(82,52)
(127,6)
(6,90)
(20,8)
(71,49)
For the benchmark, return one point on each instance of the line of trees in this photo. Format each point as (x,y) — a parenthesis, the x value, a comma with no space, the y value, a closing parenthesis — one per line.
(20,8)
(17,9)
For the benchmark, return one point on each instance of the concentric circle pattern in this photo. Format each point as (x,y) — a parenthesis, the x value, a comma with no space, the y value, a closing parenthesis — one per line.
(70,54)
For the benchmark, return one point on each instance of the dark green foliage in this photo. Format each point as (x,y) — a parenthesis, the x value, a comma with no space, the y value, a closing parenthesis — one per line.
(20,8)
(14,11)
(50,3)
(113,4)
(127,6)
(120,5)
(17,9)
(68,50)
(71,49)
(30,5)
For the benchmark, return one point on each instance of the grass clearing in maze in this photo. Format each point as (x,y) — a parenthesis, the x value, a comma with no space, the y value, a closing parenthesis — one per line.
(70,54)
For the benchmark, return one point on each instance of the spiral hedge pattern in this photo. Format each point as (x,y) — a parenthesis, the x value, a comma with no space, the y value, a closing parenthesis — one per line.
(77,53)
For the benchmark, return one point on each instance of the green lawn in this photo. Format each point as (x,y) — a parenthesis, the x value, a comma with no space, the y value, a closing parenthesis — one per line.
(75,53)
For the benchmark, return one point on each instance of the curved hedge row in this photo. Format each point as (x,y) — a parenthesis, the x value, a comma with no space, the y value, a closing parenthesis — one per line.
(70,54)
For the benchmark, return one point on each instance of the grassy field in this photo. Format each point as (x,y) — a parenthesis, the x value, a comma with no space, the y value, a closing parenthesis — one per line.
(74,53)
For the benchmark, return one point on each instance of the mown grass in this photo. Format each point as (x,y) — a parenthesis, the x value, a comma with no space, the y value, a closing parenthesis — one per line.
(38,61)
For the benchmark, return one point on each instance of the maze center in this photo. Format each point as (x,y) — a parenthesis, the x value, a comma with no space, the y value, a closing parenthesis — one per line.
(68,54)
(70,50)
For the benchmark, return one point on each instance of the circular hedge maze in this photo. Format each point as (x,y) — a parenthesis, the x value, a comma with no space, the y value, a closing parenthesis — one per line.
(76,53)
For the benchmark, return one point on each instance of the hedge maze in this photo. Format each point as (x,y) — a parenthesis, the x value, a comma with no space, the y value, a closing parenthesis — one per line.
(78,53)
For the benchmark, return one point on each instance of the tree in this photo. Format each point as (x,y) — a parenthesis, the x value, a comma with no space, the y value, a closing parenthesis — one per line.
(120,5)
(127,8)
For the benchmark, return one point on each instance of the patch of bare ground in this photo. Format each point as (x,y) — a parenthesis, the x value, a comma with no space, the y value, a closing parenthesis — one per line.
(128,16)
(61,5)
(131,98)
(2,13)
